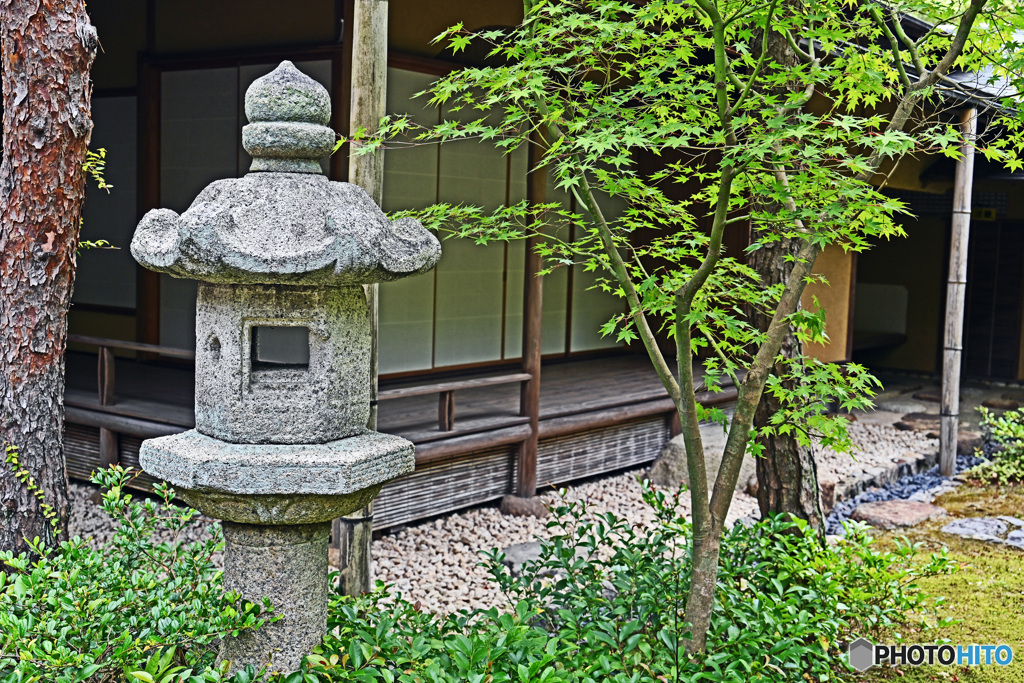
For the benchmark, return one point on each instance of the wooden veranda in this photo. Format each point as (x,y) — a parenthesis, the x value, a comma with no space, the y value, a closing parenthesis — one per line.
(595,415)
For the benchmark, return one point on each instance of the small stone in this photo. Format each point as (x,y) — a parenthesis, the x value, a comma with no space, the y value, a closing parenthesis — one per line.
(519,554)
(890,514)
(1001,404)
(1015,536)
(982,528)
(828,495)
(752,486)
(523,507)
(967,442)
(1012,521)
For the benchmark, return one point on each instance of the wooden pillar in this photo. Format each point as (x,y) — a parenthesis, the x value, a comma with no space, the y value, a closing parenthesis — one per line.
(353,534)
(147,282)
(956,289)
(533,299)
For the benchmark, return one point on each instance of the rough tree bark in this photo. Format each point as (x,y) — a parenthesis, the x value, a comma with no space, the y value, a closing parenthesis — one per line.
(48,50)
(787,477)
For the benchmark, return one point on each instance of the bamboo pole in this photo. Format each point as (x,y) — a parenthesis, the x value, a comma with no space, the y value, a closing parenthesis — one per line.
(956,288)
(354,534)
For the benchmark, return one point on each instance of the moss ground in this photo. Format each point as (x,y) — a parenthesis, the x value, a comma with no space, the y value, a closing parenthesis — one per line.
(986,595)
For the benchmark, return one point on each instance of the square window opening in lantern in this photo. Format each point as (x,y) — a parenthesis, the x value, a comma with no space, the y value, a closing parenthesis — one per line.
(279,348)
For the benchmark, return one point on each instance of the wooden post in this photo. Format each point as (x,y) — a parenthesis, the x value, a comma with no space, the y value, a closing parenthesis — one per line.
(956,289)
(147,282)
(105,385)
(105,376)
(533,299)
(353,534)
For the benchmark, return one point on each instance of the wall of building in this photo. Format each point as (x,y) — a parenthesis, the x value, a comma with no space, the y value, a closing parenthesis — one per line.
(916,264)
(837,267)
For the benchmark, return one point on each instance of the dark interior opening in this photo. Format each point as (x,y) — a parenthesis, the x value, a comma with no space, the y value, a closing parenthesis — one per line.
(280,348)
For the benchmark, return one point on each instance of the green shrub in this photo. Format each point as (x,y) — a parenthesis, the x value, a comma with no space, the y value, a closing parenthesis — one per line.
(1007,432)
(603,603)
(75,613)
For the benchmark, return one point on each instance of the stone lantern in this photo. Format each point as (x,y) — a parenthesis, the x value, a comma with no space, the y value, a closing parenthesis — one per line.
(281,446)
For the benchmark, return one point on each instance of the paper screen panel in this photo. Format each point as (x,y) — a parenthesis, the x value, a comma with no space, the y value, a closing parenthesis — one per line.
(406,324)
(199,137)
(410,182)
(107,276)
(472,171)
(468,305)
(198,144)
(592,307)
(514,286)
(410,171)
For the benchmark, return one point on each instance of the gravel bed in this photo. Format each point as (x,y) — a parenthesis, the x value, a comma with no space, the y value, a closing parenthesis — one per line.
(901,489)
(436,563)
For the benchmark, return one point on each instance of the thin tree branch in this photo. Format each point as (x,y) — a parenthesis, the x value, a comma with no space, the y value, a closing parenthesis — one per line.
(876,15)
(760,60)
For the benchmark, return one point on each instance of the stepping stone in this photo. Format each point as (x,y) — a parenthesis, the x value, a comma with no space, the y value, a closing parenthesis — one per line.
(890,514)
(980,528)
(926,422)
(931,395)
(1001,404)
(900,405)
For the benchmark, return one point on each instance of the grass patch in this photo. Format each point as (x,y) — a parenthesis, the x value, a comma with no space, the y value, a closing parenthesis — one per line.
(986,595)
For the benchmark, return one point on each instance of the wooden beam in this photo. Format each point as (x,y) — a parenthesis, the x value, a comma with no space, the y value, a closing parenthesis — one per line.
(368,104)
(118,423)
(956,289)
(533,312)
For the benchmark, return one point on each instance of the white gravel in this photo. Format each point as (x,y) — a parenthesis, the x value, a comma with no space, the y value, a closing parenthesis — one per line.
(435,563)
(876,443)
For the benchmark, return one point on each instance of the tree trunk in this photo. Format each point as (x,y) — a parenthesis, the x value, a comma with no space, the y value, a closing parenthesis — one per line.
(48,49)
(787,478)
(700,601)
